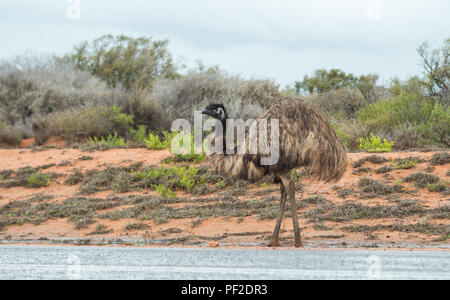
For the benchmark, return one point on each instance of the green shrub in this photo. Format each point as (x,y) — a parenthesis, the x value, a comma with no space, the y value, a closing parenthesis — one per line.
(38,180)
(131,62)
(374,144)
(437,126)
(165,191)
(390,113)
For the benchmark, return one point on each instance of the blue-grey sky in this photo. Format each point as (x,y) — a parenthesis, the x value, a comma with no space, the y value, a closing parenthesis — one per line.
(278,39)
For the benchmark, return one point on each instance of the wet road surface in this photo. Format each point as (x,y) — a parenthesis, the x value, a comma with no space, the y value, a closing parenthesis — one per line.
(72,262)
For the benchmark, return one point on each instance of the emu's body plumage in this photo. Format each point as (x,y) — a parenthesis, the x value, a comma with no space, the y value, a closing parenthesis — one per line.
(306,139)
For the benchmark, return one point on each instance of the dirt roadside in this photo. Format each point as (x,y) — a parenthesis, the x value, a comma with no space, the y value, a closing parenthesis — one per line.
(380,202)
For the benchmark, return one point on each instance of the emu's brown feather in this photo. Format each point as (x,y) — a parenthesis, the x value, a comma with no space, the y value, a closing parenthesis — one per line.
(306,140)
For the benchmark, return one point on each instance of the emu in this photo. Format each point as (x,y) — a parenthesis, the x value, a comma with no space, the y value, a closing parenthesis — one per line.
(306,139)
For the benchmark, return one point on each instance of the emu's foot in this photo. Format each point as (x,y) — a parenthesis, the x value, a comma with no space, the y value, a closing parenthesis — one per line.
(274,244)
(298,243)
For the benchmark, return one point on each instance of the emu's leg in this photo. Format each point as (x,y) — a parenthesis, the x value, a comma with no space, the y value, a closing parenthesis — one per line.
(291,194)
(297,237)
(274,240)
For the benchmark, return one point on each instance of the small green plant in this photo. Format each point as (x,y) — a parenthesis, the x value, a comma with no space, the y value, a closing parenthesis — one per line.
(404,163)
(165,191)
(439,187)
(111,141)
(374,144)
(175,178)
(154,142)
(138,135)
(39,180)
(84,157)
(189,155)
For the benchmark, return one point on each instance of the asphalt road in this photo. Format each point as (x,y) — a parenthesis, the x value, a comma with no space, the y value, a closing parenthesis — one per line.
(61,262)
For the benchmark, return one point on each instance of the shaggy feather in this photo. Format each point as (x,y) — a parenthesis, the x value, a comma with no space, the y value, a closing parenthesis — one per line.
(306,140)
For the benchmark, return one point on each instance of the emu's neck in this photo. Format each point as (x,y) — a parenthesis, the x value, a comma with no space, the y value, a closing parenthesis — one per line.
(224,136)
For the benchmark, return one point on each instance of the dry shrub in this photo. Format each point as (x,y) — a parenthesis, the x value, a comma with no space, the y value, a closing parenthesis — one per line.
(244,99)
(48,97)
(145,110)
(88,122)
(346,101)
(368,185)
(405,137)
(422,179)
(32,87)
(10,136)
(349,130)
(440,158)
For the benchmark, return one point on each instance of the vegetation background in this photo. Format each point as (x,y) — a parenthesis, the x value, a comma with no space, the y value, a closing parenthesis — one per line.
(123,91)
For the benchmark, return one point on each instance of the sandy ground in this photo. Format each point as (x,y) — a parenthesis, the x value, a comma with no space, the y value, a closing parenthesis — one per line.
(213,232)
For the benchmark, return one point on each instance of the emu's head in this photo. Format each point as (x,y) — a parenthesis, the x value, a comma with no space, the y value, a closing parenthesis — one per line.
(217,111)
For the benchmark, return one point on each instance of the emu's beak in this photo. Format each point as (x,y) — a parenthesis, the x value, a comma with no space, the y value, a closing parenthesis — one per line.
(211,113)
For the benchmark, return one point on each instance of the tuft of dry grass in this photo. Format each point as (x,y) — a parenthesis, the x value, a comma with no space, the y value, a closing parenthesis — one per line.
(384,170)
(100,229)
(440,158)
(371,186)
(355,211)
(137,226)
(375,159)
(422,179)
(361,171)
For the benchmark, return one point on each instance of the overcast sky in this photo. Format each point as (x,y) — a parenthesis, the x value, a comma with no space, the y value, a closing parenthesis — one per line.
(278,39)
